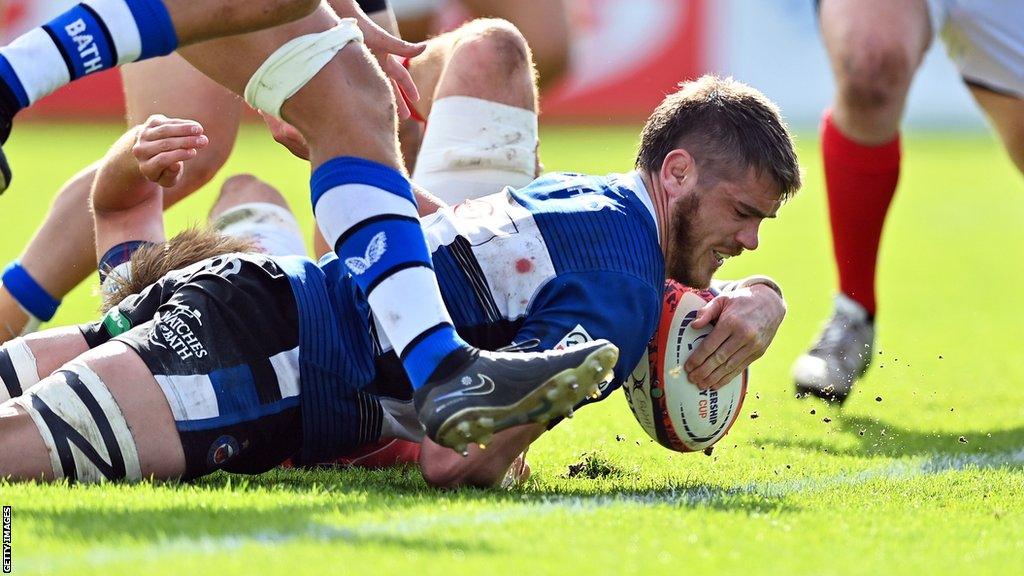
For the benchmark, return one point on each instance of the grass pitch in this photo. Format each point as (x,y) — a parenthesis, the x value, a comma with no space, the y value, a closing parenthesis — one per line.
(921,472)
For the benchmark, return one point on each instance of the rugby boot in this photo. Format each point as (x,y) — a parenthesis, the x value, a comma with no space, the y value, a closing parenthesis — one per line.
(494,391)
(841,355)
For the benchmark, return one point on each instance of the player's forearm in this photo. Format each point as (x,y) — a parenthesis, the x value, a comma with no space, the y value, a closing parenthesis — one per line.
(125,205)
(119,184)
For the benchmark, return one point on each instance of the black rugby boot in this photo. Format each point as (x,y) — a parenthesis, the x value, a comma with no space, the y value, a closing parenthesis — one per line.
(493,391)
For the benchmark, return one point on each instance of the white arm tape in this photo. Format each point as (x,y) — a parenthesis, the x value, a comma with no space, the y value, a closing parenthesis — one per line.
(25,370)
(295,63)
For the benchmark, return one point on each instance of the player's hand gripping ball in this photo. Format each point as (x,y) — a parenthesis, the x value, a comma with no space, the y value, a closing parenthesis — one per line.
(670,409)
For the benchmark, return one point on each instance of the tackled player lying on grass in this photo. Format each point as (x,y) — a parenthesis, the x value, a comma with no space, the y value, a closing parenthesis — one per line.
(240,361)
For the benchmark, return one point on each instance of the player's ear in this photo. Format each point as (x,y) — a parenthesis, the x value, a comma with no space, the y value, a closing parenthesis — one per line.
(678,173)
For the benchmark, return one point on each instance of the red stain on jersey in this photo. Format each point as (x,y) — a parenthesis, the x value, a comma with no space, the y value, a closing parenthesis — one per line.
(523,265)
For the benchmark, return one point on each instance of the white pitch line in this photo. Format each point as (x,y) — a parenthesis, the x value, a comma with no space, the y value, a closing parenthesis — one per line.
(425,525)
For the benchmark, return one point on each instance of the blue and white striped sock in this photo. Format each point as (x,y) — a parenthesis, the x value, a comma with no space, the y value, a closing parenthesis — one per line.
(92,36)
(367,211)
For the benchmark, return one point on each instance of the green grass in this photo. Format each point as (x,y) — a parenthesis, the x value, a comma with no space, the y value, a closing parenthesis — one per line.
(884,487)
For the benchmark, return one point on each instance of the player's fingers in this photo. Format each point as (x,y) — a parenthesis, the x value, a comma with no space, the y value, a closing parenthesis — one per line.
(731,368)
(703,375)
(154,168)
(171,129)
(380,41)
(709,313)
(402,105)
(150,149)
(171,175)
(707,346)
(400,75)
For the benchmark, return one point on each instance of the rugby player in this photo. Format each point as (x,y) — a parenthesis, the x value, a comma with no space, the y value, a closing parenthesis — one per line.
(875,47)
(363,202)
(240,360)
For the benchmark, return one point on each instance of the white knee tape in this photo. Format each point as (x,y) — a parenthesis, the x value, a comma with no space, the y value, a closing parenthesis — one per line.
(295,63)
(83,428)
(274,229)
(476,147)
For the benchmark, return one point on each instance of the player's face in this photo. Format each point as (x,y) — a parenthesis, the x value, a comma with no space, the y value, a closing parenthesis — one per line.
(715,222)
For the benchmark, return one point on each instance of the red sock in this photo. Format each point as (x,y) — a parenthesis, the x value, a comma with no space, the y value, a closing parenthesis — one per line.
(861,181)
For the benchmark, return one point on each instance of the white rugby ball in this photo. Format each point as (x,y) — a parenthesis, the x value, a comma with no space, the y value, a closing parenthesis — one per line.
(668,407)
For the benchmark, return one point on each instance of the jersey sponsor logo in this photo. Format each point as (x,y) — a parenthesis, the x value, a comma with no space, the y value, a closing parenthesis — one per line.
(374,252)
(88,52)
(174,331)
(116,323)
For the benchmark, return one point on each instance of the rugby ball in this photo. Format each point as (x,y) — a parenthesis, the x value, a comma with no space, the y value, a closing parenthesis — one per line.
(668,407)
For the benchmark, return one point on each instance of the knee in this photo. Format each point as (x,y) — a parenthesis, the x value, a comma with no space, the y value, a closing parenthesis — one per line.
(492,47)
(875,75)
(244,189)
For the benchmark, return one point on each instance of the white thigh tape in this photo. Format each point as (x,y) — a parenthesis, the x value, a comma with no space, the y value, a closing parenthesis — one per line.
(82,427)
(295,63)
(26,374)
(274,229)
(476,147)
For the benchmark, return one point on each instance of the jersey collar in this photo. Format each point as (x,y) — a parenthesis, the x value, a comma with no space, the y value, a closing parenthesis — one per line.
(640,189)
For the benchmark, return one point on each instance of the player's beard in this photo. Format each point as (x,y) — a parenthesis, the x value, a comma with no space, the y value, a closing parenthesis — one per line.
(683,259)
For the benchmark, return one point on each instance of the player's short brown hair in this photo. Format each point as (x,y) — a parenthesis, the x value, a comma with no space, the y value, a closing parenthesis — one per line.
(728,128)
(150,263)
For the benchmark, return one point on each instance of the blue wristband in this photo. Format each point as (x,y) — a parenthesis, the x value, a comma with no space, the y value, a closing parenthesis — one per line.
(32,297)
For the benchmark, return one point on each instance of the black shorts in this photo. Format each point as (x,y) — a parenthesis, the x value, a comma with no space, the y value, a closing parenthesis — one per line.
(222,340)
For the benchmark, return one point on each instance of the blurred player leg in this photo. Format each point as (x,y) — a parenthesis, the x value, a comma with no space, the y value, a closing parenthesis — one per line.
(1007,116)
(875,47)
(480,97)
(62,253)
(985,40)
(108,405)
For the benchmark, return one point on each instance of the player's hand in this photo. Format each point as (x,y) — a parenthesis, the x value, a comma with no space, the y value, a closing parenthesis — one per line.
(163,145)
(745,322)
(389,50)
(287,135)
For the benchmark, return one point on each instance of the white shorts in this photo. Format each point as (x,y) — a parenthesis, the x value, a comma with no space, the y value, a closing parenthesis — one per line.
(985,39)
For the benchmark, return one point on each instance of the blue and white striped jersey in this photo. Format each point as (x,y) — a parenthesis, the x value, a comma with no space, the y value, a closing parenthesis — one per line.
(569,258)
